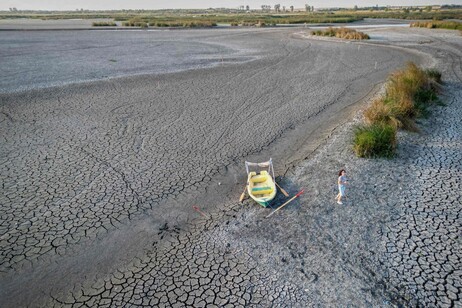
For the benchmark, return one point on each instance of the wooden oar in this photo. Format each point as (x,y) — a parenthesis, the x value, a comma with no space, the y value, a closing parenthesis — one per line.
(282,189)
(290,200)
(196,208)
(243,194)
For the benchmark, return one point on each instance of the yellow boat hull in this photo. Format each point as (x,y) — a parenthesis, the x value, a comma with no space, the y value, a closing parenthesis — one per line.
(261,187)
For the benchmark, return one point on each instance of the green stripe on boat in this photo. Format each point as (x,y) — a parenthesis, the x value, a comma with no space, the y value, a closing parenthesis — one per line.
(261,188)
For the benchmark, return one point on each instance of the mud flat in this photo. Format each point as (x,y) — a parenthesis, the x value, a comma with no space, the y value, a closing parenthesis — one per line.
(100,179)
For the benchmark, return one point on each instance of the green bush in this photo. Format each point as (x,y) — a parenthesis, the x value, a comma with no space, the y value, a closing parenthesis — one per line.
(344,33)
(104,24)
(376,140)
(184,24)
(451,25)
(434,75)
(135,22)
(409,93)
(423,98)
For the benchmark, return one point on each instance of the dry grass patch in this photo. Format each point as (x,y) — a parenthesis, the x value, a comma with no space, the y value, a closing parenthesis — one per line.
(182,24)
(344,33)
(451,25)
(135,22)
(409,93)
(104,24)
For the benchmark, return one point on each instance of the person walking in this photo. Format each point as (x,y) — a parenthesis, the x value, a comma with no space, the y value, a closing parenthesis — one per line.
(342,182)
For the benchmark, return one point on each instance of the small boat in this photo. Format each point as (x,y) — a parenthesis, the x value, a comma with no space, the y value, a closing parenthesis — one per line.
(260,183)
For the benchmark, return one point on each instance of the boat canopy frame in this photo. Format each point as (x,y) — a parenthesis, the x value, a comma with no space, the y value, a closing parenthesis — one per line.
(267,165)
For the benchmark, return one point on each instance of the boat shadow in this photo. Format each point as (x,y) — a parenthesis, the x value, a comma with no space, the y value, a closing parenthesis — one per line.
(290,187)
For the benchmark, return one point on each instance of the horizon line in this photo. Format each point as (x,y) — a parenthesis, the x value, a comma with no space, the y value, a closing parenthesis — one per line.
(221,8)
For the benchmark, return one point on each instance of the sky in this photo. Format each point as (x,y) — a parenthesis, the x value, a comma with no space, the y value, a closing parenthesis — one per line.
(188,4)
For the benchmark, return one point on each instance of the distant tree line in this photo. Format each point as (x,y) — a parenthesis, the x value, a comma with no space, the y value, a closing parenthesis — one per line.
(277,8)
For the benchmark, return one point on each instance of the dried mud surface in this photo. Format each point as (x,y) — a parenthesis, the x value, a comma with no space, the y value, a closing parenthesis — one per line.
(99,181)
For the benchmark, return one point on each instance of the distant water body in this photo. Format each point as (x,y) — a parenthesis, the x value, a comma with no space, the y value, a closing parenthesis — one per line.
(38,59)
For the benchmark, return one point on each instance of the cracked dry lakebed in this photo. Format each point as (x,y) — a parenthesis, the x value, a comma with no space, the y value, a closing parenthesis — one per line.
(122,160)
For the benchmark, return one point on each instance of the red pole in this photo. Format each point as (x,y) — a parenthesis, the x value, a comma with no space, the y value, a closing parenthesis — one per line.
(290,200)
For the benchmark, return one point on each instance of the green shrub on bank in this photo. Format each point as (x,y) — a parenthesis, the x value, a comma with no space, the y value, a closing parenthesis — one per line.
(185,24)
(433,75)
(227,16)
(211,20)
(248,24)
(161,24)
(377,140)
(169,24)
(451,25)
(409,93)
(103,24)
(344,33)
(135,23)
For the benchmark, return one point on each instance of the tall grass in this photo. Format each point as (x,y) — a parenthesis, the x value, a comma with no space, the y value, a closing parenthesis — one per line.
(377,140)
(208,20)
(434,75)
(135,22)
(144,23)
(344,33)
(230,15)
(104,24)
(408,95)
(185,24)
(451,25)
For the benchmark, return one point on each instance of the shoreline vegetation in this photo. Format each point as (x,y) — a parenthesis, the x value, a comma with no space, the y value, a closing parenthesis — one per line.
(233,21)
(266,16)
(450,25)
(104,24)
(330,32)
(408,95)
(343,33)
(143,23)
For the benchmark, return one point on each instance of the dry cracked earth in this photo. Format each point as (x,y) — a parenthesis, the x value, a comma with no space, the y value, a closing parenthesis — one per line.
(99,179)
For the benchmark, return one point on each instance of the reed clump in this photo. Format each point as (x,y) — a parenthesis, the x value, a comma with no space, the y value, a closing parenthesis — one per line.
(143,23)
(408,95)
(183,24)
(135,22)
(434,24)
(377,140)
(344,33)
(104,24)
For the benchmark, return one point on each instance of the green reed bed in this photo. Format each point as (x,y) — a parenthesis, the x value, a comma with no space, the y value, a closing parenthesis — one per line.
(232,15)
(451,25)
(249,20)
(375,140)
(104,24)
(183,24)
(409,94)
(344,33)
